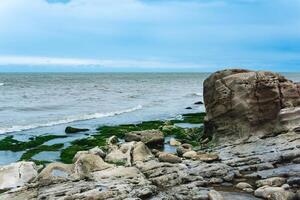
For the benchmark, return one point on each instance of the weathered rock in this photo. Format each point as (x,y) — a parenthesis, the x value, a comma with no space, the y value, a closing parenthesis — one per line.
(190,154)
(88,163)
(214,195)
(243,185)
(120,155)
(170,158)
(17,174)
(242,103)
(284,195)
(55,172)
(141,153)
(70,129)
(183,149)
(112,140)
(206,157)
(294,181)
(174,142)
(97,151)
(149,137)
(274,181)
(266,191)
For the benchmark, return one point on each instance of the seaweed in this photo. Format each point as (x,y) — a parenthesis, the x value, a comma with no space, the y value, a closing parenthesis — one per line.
(31,152)
(9,143)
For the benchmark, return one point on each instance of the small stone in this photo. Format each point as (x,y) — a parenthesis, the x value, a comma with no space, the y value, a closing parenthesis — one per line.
(167,157)
(266,191)
(215,181)
(286,186)
(174,142)
(214,195)
(274,181)
(188,108)
(206,157)
(294,181)
(190,154)
(183,149)
(112,140)
(243,185)
(248,190)
(198,103)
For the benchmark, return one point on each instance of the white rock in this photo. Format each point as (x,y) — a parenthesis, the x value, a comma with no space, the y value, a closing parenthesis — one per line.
(17,174)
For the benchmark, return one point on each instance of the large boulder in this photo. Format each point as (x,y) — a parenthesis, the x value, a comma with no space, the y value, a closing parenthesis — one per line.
(149,137)
(17,174)
(241,103)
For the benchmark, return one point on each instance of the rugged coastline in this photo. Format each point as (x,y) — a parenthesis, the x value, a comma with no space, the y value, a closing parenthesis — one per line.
(213,162)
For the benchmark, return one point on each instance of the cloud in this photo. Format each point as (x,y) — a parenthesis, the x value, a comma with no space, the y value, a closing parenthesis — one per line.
(151,32)
(55,61)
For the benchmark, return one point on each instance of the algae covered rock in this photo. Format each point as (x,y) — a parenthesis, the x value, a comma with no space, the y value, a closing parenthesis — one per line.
(149,137)
(70,129)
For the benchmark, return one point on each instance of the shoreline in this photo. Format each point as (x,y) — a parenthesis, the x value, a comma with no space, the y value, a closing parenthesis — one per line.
(45,143)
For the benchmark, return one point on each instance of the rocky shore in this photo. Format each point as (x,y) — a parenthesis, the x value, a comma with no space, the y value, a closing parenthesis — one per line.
(249,149)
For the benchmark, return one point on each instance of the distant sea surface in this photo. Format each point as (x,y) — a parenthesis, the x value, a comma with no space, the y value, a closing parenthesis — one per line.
(48,102)
(32,103)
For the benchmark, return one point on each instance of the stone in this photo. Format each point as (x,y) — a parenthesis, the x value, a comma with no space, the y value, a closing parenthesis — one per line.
(190,154)
(241,103)
(266,191)
(206,157)
(183,149)
(294,181)
(198,103)
(120,155)
(243,185)
(97,151)
(88,163)
(214,195)
(149,137)
(17,174)
(70,129)
(141,153)
(188,108)
(284,195)
(274,181)
(170,158)
(112,140)
(174,142)
(55,172)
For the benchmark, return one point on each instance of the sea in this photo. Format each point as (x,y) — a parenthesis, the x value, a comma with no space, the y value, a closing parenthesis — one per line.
(34,104)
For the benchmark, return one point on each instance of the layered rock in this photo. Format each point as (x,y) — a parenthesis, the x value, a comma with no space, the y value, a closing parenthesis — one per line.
(17,174)
(242,103)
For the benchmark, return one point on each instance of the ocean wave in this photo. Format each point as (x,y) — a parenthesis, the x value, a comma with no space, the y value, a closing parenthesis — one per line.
(68,120)
(2,84)
(197,94)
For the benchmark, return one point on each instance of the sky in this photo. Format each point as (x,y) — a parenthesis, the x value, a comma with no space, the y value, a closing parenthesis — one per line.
(149,35)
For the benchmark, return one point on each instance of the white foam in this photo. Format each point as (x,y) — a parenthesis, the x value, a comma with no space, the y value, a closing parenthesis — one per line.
(1,84)
(68,120)
(197,94)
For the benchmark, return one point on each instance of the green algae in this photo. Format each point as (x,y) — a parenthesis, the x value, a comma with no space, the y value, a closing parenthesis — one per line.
(32,152)
(11,144)
(186,135)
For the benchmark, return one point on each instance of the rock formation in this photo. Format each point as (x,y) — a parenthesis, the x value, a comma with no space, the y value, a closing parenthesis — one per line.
(242,103)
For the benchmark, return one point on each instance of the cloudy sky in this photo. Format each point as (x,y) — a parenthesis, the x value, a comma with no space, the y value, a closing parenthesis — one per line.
(149,35)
